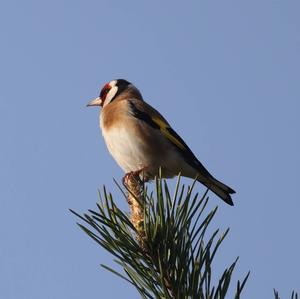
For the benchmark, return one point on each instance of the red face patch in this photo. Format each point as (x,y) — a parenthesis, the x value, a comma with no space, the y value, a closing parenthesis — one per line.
(106,88)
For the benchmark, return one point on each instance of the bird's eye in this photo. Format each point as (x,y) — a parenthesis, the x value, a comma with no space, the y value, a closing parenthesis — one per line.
(104,91)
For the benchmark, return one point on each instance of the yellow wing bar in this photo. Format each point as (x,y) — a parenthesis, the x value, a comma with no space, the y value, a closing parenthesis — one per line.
(167,131)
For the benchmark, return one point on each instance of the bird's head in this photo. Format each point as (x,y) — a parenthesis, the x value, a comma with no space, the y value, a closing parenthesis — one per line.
(111,91)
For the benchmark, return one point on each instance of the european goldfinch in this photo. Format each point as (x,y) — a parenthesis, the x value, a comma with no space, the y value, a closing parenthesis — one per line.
(142,141)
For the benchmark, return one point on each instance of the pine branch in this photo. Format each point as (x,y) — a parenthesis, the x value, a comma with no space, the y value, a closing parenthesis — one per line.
(293,296)
(163,245)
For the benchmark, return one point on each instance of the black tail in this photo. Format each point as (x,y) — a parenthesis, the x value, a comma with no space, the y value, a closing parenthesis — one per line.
(220,189)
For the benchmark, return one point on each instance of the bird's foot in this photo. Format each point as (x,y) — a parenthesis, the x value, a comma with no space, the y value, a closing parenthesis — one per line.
(136,175)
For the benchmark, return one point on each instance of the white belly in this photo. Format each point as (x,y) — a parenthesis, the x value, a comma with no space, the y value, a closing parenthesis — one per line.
(135,146)
(126,149)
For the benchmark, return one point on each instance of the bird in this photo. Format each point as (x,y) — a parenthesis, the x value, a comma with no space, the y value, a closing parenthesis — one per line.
(143,142)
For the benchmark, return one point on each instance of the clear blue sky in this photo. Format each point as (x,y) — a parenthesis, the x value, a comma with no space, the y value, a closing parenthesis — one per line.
(226,76)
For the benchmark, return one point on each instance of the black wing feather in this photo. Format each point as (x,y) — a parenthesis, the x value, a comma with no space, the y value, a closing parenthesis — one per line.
(185,151)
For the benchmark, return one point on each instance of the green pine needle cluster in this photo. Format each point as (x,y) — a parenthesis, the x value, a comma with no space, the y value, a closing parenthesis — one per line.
(176,257)
(294,295)
(173,256)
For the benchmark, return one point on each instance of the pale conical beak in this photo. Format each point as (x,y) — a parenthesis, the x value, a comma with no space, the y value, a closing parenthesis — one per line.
(95,102)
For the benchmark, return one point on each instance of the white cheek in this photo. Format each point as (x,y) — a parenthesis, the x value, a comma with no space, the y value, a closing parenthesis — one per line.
(111,94)
(113,83)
